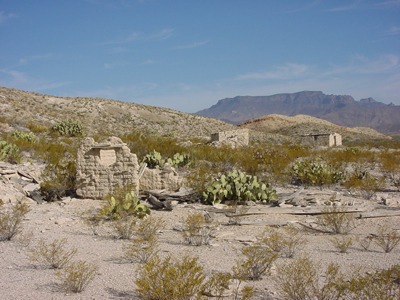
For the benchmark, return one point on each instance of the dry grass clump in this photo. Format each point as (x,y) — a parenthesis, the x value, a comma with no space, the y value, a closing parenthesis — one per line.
(76,276)
(386,238)
(198,230)
(170,279)
(141,251)
(53,255)
(336,220)
(342,243)
(11,220)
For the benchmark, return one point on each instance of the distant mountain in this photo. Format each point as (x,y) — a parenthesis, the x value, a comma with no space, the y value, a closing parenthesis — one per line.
(342,110)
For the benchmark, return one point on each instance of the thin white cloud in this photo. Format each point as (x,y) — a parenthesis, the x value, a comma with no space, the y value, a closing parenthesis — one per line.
(347,7)
(286,71)
(192,45)
(389,3)
(163,34)
(363,65)
(31,58)
(4,16)
(394,30)
(21,80)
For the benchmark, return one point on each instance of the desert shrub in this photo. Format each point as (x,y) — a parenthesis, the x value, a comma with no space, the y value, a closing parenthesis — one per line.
(386,238)
(59,174)
(124,227)
(382,285)
(299,280)
(9,152)
(69,128)
(342,243)
(170,279)
(25,136)
(362,180)
(149,226)
(365,243)
(54,255)
(180,160)
(235,216)
(336,220)
(37,128)
(76,276)
(122,205)
(239,187)
(257,262)
(284,243)
(275,160)
(315,172)
(140,250)
(219,283)
(11,220)
(197,229)
(390,165)
(153,160)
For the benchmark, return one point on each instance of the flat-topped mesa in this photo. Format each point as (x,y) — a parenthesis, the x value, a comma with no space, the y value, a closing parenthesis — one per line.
(105,166)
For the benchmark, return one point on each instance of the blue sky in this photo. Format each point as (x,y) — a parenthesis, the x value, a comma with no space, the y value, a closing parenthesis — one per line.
(188,54)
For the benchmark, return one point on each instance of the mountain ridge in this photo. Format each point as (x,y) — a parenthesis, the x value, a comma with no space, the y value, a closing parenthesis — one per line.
(341,110)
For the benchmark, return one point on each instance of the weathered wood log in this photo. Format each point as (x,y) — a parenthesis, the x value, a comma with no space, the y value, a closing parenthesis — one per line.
(379,214)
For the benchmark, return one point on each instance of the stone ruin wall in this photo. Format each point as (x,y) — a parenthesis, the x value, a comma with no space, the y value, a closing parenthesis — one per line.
(103,167)
(234,138)
(325,140)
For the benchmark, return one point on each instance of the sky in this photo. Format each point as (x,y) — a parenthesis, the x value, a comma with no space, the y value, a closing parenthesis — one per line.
(188,54)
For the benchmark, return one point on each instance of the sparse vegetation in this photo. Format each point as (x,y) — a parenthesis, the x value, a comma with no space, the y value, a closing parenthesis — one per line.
(342,243)
(53,255)
(170,279)
(69,128)
(387,238)
(10,153)
(76,276)
(197,230)
(11,220)
(124,204)
(239,187)
(315,172)
(336,220)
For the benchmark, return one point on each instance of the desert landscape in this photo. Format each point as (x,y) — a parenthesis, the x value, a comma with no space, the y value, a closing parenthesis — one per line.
(305,208)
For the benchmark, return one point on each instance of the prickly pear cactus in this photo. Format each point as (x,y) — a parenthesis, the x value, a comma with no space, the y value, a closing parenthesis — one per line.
(238,186)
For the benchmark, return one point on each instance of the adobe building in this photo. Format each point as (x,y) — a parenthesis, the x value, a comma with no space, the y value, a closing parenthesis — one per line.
(233,138)
(322,139)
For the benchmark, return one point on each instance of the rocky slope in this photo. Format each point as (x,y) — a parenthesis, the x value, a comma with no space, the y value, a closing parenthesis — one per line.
(101,116)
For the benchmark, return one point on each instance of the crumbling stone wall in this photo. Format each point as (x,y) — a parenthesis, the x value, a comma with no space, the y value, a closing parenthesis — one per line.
(164,179)
(233,138)
(102,167)
(323,139)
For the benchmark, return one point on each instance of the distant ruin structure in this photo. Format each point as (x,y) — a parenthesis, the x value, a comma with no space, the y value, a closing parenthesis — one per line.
(322,139)
(233,138)
(103,167)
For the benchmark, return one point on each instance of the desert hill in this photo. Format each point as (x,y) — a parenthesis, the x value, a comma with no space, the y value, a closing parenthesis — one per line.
(342,110)
(303,124)
(19,108)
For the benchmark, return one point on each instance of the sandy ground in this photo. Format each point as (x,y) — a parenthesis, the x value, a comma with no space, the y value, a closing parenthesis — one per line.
(21,278)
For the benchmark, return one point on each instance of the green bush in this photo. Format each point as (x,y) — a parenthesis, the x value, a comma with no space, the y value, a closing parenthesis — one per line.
(170,279)
(75,276)
(59,174)
(26,136)
(68,128)
(10,153)
(123,205)
(179,160)
(315,172)
(238,186)
(153,160)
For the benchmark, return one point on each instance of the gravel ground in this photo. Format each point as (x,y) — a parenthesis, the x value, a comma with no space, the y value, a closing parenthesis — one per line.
(21,278)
